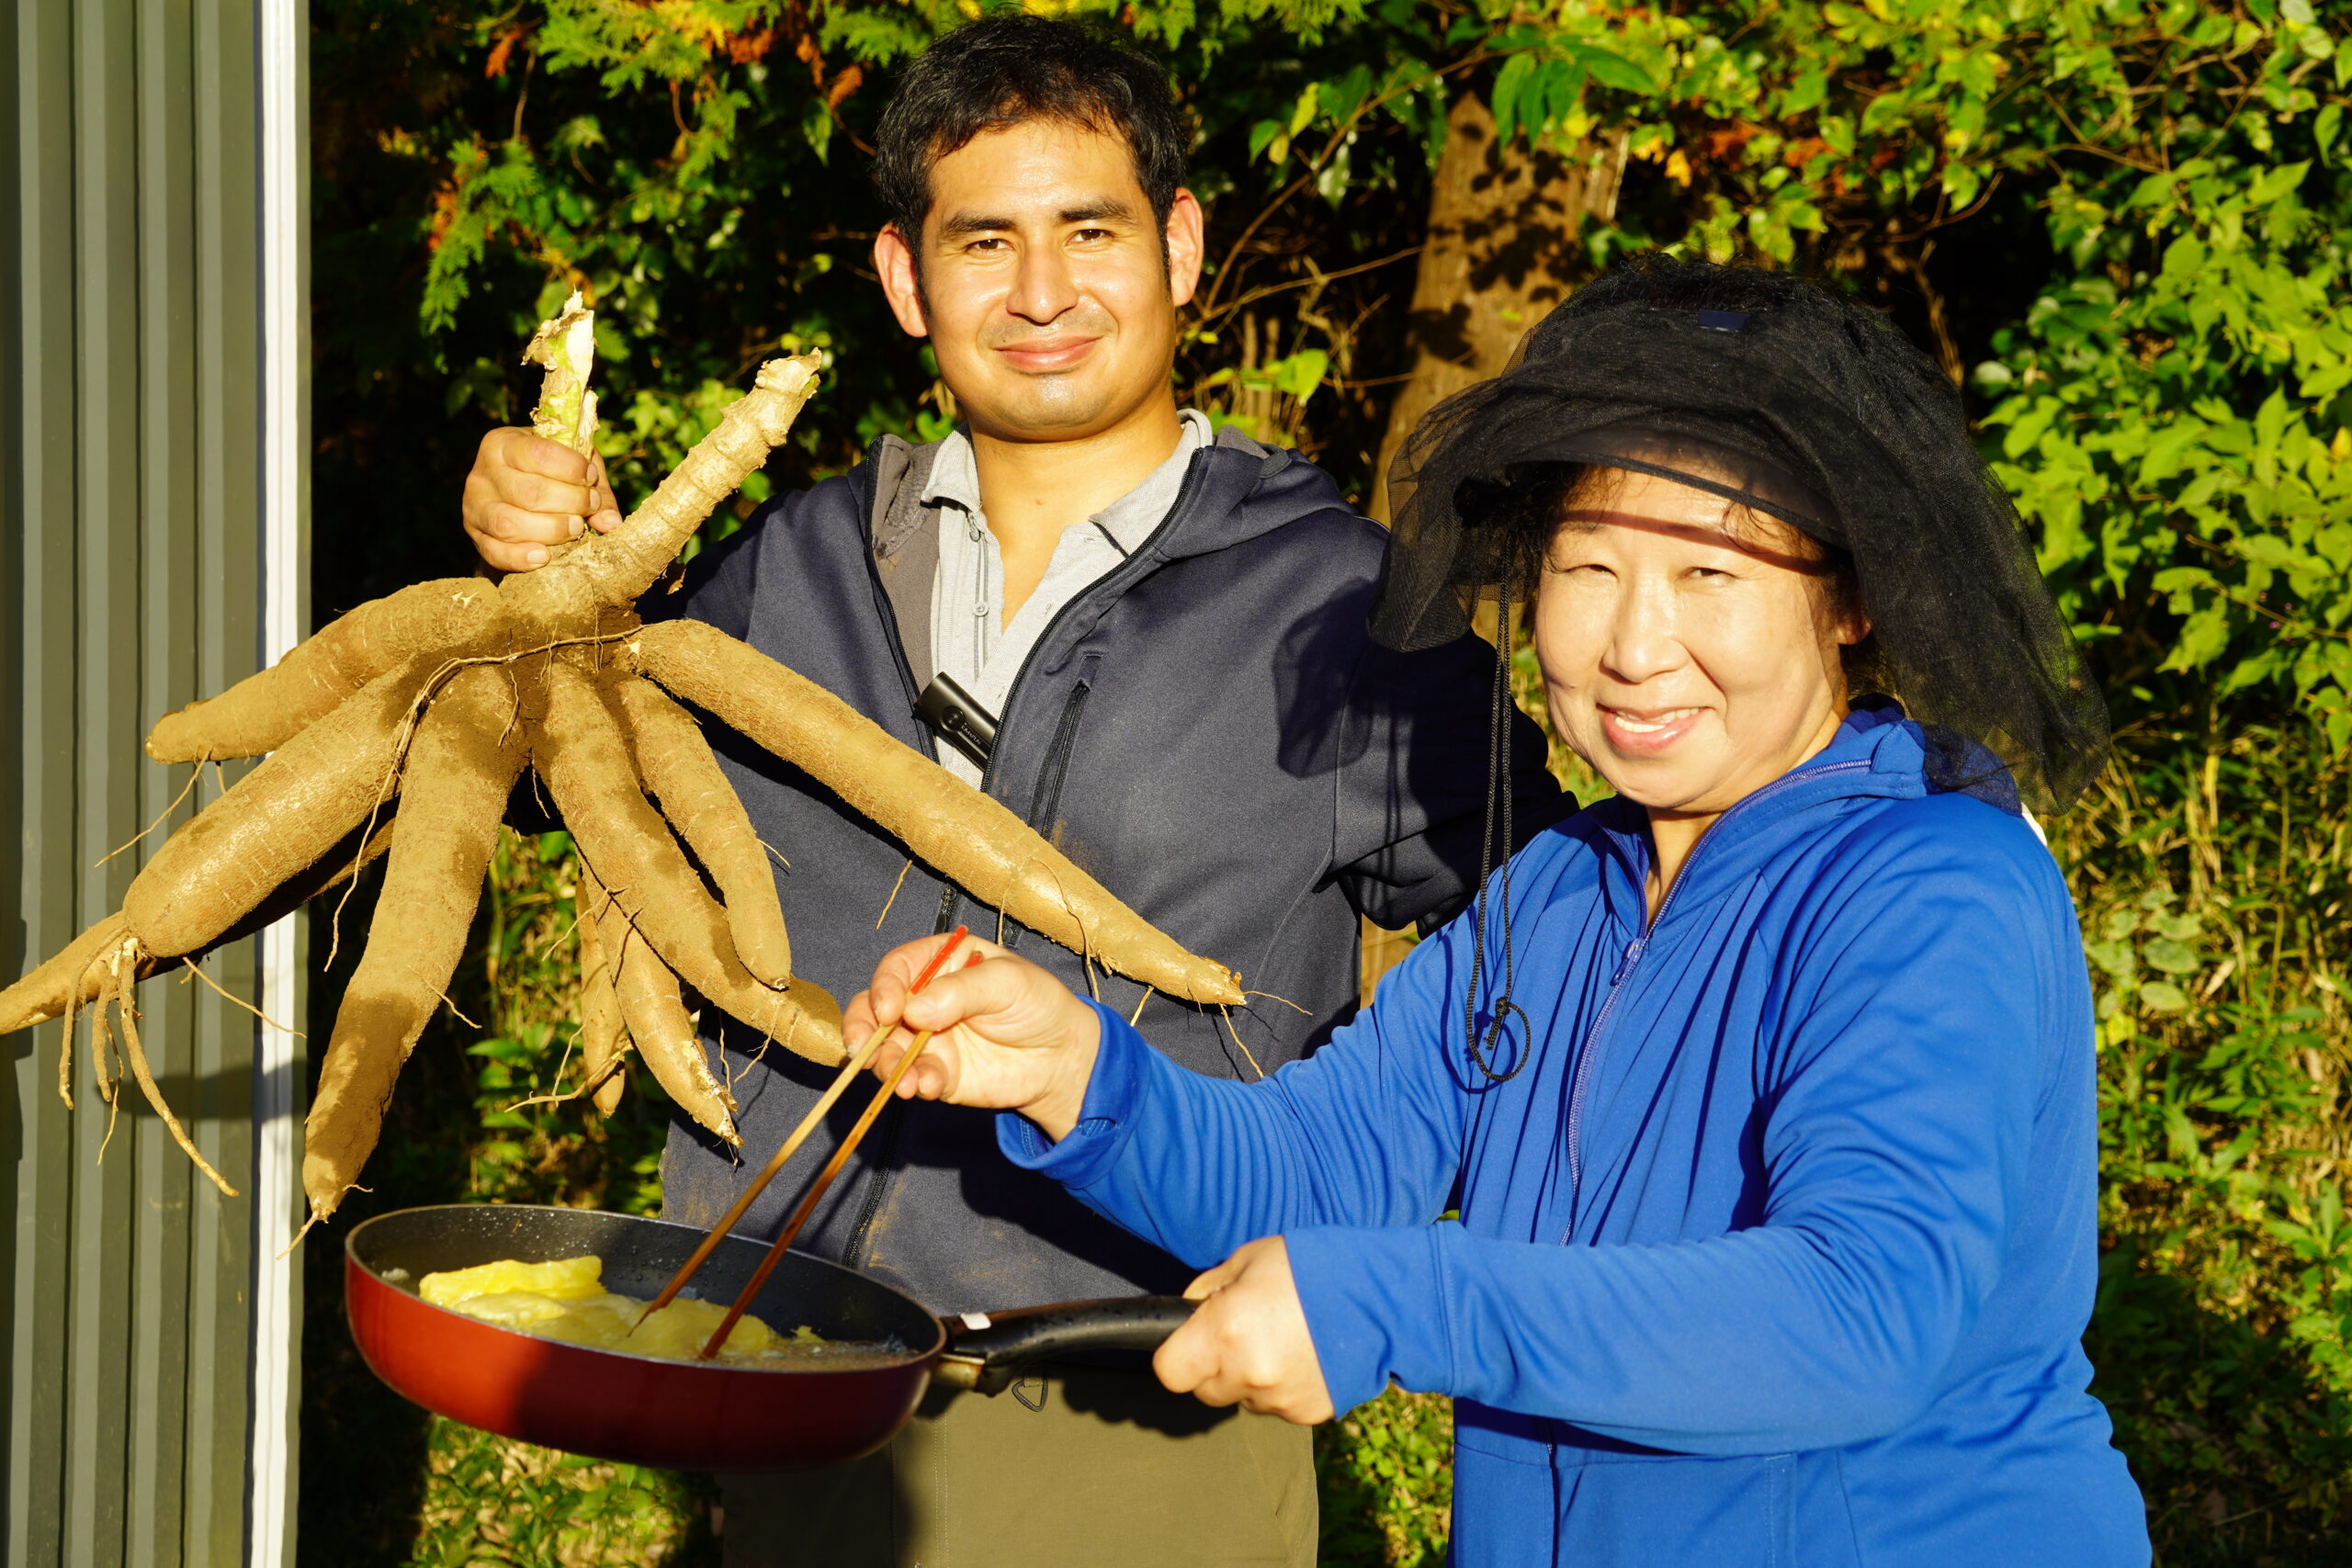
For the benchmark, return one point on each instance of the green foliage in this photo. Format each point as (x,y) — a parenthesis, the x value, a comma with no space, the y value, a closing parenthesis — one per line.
(2213,876)
(1387,1471)
(490,1501)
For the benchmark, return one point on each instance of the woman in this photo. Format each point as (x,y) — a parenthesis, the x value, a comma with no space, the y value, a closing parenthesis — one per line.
(1764,1091)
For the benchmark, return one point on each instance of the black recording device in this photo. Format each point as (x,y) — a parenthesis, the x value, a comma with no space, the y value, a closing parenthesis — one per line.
(955,719)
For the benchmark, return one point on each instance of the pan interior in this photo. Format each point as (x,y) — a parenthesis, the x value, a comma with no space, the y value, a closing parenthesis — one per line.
(639,1257)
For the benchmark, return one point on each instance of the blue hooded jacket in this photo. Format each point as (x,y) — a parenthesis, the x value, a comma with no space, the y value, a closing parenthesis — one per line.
(1776,1247)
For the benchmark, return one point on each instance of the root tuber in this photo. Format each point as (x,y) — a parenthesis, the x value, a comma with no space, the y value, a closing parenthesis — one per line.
(467,753)
(676,763)
(604,1037)
(276,821)
(969,837)
(428,701)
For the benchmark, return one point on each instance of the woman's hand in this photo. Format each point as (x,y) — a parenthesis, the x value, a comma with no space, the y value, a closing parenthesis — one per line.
(1008,1035)
(1248,1345)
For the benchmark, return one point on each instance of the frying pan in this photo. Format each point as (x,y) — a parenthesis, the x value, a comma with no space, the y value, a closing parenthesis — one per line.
(689,1415)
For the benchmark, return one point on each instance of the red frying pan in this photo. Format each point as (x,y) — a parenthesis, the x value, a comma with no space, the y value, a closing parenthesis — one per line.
(690,1414)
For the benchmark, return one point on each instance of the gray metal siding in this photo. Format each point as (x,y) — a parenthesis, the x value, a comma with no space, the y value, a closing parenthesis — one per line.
(130,434)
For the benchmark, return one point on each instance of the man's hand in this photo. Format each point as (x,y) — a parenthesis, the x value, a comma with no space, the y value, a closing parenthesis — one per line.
(526,492)
(1009,1036)
(1248,1345)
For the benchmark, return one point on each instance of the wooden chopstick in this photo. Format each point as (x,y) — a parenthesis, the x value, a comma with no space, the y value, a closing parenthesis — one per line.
(815,1194)
(841,1081)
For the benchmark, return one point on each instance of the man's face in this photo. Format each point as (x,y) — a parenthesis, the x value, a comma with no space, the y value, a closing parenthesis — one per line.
(1045,290)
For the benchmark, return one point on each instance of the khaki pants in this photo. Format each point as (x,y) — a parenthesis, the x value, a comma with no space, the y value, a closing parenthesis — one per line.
(1076,1469)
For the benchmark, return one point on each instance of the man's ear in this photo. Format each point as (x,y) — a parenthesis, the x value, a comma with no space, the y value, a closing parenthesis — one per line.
(1185,244)
(894,263)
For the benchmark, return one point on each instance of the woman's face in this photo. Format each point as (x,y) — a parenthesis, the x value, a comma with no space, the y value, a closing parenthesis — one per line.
(1689,647)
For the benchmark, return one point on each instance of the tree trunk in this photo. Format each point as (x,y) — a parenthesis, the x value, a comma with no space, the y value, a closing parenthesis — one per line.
(1502,250)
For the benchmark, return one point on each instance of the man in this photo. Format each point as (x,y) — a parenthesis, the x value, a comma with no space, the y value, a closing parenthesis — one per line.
(1166,628)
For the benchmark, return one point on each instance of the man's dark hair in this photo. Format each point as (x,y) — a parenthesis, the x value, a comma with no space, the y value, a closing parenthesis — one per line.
(1001,71)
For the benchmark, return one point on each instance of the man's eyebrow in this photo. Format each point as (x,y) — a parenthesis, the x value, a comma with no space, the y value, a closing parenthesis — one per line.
(1104,207)
(968,225)
(964,225)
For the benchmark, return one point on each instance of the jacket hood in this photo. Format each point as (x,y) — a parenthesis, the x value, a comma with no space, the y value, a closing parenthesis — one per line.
(1877,754)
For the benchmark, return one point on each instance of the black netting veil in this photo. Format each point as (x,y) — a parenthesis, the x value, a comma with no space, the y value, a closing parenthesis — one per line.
(1825,416)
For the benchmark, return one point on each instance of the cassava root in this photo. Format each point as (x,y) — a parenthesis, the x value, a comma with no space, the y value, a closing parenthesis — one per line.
(403,724)
(974,841)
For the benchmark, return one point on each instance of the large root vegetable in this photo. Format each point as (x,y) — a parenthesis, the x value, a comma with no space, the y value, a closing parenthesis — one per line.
(277,819)
(467,753)
(970,837)
(677,767)
(77,972)
(426,703)
(265,711)
(662,1028)
(604,1034)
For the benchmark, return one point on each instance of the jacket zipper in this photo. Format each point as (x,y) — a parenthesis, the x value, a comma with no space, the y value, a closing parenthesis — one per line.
(1579,1079)
(884,1160)
(1046,801)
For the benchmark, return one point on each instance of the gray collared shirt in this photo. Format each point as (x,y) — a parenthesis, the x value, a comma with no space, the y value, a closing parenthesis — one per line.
(971,641)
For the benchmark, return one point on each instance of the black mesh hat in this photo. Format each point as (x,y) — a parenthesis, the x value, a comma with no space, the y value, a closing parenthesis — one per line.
(1799,404)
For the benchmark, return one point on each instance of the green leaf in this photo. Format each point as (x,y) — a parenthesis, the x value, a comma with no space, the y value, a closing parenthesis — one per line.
(2280,181)
(1811,89)
(2027,427)
(2164,997)
(2202,638)
(1510,83)
(2270,421)
(2184,259)
(1300,374)
(1302,113)
(1342,96)
(1611,70)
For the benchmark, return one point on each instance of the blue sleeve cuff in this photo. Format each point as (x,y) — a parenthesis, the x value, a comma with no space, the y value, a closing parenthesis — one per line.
(1376,1308)
(1113,1097)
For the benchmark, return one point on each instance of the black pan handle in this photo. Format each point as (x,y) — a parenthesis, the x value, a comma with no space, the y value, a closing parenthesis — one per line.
(986,1351)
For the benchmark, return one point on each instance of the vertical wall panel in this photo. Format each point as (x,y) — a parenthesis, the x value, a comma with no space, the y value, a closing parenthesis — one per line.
(40,774)
(226,495)
(133,572)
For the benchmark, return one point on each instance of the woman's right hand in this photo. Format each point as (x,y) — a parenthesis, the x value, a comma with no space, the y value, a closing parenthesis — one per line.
(1007,1036)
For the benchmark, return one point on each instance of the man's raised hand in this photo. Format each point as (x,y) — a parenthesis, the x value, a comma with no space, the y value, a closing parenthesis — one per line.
(1008,1036)
(525,493)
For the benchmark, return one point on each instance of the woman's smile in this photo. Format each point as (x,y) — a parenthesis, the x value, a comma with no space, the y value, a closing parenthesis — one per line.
(1646,732)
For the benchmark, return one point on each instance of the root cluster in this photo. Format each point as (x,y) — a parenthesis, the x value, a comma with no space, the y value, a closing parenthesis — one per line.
(400,730)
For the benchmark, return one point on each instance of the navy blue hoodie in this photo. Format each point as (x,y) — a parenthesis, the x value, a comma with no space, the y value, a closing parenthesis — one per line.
(1208,730)
(1779,1247)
